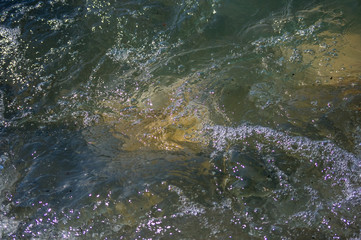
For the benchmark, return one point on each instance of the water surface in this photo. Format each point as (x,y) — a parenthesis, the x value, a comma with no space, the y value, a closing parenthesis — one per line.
(180,119)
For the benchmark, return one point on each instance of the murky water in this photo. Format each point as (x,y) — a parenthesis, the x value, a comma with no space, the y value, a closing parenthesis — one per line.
(180,119)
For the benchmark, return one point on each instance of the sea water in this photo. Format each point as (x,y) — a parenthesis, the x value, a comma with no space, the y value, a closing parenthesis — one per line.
(184,119)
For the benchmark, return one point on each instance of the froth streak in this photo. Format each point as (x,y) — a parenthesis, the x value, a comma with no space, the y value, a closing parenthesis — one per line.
(2,107)
(343,163)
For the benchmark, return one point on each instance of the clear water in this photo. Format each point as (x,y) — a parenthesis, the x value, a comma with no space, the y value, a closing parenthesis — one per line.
(219,119)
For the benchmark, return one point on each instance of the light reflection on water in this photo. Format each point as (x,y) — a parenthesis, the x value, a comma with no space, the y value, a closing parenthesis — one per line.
(185,119)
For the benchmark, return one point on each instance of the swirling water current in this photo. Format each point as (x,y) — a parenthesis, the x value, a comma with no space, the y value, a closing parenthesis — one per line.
(183,119)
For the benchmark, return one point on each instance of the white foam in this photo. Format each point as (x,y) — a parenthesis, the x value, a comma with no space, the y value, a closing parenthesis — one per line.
(8,40)
(344,165)
(2,107)
(7,225)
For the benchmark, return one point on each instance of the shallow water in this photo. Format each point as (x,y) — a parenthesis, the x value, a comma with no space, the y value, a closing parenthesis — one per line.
(180,119)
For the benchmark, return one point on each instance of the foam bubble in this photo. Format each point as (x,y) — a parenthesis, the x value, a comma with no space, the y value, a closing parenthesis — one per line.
(342,164)
(8,41)
(2,107)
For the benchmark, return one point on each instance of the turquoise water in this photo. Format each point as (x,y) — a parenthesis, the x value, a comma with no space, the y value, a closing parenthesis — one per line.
(219,119)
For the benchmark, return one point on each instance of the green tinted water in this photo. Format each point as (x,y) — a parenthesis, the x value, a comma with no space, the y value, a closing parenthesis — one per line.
(180,119)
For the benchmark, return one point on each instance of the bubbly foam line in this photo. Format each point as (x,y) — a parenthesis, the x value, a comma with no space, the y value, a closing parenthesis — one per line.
(2,107)
(9,40)
(344,164)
